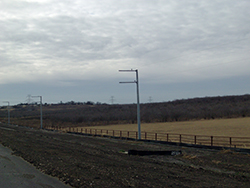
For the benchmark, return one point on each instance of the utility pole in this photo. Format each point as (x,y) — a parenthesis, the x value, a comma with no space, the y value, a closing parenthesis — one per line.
(138,101)
(41,110)
(8,110)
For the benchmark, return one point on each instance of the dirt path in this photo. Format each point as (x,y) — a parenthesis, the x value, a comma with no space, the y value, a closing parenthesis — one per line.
(83,161)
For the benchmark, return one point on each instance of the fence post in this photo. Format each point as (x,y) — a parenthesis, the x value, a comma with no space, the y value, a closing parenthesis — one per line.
(120,134)
(113,132)
(155,136)
(145,135)
(128,134)
(195,140)
(230,141)
(136,135)
(167,137)
(211,140)
(95,132)
(90,130)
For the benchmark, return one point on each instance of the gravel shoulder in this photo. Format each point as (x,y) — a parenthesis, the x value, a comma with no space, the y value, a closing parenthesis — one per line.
(86,161)
(15,172)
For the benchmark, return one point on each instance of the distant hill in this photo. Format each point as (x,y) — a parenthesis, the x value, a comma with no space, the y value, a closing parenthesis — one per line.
(90,113)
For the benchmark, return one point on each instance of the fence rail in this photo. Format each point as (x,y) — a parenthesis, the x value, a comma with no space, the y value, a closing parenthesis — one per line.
(222,141)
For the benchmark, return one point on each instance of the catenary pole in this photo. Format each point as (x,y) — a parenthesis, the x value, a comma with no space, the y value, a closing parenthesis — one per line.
(8,111)
(41,111)
(138,98)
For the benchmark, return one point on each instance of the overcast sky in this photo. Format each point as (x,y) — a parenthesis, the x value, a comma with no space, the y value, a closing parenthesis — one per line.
(72,49)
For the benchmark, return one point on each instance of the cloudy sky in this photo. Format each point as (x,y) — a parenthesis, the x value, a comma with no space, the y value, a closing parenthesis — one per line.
(72,49)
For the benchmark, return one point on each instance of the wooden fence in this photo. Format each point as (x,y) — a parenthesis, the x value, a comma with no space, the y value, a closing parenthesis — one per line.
(222,141)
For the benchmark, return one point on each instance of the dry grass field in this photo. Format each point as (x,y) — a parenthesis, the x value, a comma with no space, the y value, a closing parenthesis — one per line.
(234,127)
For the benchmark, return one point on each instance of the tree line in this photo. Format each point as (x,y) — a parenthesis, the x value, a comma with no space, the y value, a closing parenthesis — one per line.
(89,113)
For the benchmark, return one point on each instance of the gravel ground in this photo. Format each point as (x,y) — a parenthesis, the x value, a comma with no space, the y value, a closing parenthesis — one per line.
(86,161)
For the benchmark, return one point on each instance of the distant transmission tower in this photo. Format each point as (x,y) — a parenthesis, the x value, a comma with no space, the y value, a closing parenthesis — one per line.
(29,101)
(112,99)
(150,99)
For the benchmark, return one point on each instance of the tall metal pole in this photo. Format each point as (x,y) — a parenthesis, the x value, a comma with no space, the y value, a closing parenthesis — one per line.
(138,106)
(41,111)
(8,111)
(138,101)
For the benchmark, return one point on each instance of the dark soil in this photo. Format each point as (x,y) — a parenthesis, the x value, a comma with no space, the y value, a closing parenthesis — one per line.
(85,161)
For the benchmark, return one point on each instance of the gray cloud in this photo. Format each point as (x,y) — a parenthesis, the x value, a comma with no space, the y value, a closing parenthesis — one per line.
(168,41)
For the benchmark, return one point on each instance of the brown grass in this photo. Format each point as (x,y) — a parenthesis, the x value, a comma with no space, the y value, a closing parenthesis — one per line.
(234,127)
